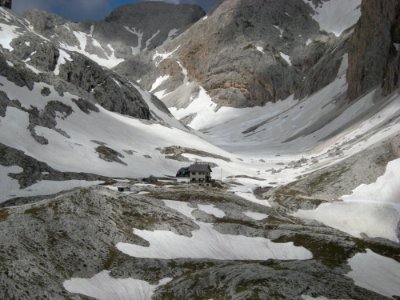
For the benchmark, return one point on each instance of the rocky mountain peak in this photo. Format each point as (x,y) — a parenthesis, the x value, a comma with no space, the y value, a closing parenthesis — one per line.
(155,22)
(44,22)
(243,40)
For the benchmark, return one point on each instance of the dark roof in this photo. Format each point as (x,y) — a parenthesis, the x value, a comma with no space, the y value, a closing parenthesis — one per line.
(183,172)
(200,168)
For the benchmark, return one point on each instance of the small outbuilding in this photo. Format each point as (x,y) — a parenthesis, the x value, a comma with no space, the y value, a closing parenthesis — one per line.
(183,175)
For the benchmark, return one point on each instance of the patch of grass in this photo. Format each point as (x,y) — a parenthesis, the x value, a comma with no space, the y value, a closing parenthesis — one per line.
(34,211)
(226,220)
(4,214)
(186,196)
(54,238)
(175,152)
(112,255)
(109,155)
(249,46)
(319,182)
(328,252)
(248,177)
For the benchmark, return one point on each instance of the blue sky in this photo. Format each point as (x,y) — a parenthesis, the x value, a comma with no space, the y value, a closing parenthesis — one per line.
(78,10)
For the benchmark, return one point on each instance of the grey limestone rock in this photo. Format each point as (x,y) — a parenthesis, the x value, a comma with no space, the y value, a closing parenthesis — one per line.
(373,54)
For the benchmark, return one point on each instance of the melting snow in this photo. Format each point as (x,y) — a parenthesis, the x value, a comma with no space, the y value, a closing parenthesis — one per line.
(202,106)
(10,188)
(7,34)
(62,59)
(159,57)
(211,210)
(372,209)
(206,242)
(376,273)
(109,62)
(104,287)
(255,215)
(158,82)
(279,29)
(151,38)
(286,58)
(137,49)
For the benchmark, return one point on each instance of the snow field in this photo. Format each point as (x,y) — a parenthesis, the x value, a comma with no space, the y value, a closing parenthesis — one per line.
(206,242)
(103,287)
(376,273)
(372,209)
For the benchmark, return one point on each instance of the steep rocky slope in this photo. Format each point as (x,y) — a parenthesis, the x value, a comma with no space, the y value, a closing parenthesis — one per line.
(67,242)
(374,49)
(127,31)
(248,53)
(306,205)
(65,118)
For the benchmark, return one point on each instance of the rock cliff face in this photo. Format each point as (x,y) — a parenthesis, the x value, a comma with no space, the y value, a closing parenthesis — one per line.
(240,53)
(374,58)
(153,22)
(246,53)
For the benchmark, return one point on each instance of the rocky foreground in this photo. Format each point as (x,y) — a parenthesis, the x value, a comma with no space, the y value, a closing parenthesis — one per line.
(81,233)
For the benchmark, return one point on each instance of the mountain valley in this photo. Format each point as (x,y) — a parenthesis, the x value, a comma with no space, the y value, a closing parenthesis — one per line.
(295,106)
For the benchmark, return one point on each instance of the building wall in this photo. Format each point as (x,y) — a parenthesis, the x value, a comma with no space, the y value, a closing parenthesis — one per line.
(197,176)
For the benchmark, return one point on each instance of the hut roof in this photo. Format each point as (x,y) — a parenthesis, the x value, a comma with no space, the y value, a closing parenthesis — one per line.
(200,168)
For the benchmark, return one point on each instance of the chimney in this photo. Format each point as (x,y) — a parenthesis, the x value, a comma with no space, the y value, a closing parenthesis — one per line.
(6,3)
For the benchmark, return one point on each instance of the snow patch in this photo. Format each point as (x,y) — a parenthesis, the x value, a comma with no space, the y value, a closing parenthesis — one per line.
(206,242)
(11,189)
(109,62)
(104,287)
(62,59)
(376,273)
(158,82)
(202,106)
(211,210)
(279,29)
(386,189)
(159,57)
(151,38)
(372,209)
(136,50)
(7,34)
(286,58)
(255,215)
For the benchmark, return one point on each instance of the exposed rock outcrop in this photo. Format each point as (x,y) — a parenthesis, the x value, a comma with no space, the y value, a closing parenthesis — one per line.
(36,59)
(128,30)
(245,53)
(154,22)
(374,54)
